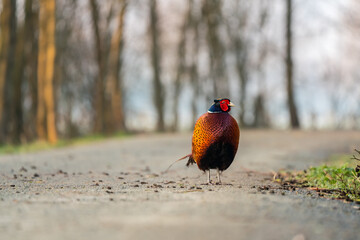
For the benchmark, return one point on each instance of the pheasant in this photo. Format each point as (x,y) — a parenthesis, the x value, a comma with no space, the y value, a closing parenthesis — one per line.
(215,139)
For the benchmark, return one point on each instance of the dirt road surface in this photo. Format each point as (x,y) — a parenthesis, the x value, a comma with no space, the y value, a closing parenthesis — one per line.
(116,189)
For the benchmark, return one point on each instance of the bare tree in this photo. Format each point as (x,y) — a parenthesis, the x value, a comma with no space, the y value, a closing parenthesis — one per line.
(194,20)
(181,65)
(46,112)
(114,82)
(9,21)
(212,15)
(159,96)
(99,102)
(238,35)
(108,86)
(31,56)
(5,40)
(294,119)
(261,116)
(17,76)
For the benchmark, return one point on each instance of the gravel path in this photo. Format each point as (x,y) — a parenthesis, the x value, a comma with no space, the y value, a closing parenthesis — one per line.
(116,189)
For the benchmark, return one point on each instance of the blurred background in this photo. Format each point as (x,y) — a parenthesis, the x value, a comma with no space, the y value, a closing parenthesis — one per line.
(70,68)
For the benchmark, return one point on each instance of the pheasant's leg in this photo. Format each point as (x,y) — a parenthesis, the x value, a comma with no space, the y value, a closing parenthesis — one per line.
(209,181)
(218,176)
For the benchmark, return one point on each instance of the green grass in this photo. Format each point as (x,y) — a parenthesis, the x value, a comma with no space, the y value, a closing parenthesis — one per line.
(339,178)
(42,145)
(340,181)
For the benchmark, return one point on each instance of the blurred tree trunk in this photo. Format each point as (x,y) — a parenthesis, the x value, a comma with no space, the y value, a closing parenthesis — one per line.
(181,51)
(31,61)
(237,35)
(114,79)
(99,102)
(46,113)
(23,50)
(40,114)
(8,43)
(261,118)
(156,61)
(212,13)
(18,75)
(194,75)
(4,48)
(241,67)
(294,119)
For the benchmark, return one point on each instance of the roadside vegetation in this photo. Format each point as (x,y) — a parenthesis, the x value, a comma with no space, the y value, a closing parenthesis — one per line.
(44,145)
(339,179)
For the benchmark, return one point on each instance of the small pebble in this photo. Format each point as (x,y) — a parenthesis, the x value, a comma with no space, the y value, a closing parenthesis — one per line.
(299,237)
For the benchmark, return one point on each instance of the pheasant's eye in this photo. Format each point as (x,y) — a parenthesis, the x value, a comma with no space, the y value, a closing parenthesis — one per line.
(225,102)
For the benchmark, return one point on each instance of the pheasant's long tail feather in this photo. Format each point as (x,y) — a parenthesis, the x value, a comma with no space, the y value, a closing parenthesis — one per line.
(190,161)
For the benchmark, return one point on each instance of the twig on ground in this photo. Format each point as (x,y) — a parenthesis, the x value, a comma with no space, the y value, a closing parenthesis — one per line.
(354,157)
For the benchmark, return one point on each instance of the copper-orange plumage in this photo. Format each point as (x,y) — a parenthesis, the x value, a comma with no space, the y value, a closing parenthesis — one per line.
(215,139)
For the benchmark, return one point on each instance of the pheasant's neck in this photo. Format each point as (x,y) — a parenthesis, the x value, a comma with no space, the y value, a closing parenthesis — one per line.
(216,111)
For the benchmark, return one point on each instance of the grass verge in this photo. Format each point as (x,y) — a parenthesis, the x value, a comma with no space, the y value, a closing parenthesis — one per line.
(339,179)
(42,145)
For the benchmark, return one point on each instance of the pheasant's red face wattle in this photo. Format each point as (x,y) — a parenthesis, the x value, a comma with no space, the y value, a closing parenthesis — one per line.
(224,105)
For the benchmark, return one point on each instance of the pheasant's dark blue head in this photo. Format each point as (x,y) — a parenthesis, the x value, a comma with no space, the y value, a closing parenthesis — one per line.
(221,105)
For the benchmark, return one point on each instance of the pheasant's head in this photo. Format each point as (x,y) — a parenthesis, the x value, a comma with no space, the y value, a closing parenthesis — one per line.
(221,105)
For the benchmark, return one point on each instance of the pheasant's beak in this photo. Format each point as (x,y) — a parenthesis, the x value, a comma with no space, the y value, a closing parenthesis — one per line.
(231,104)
